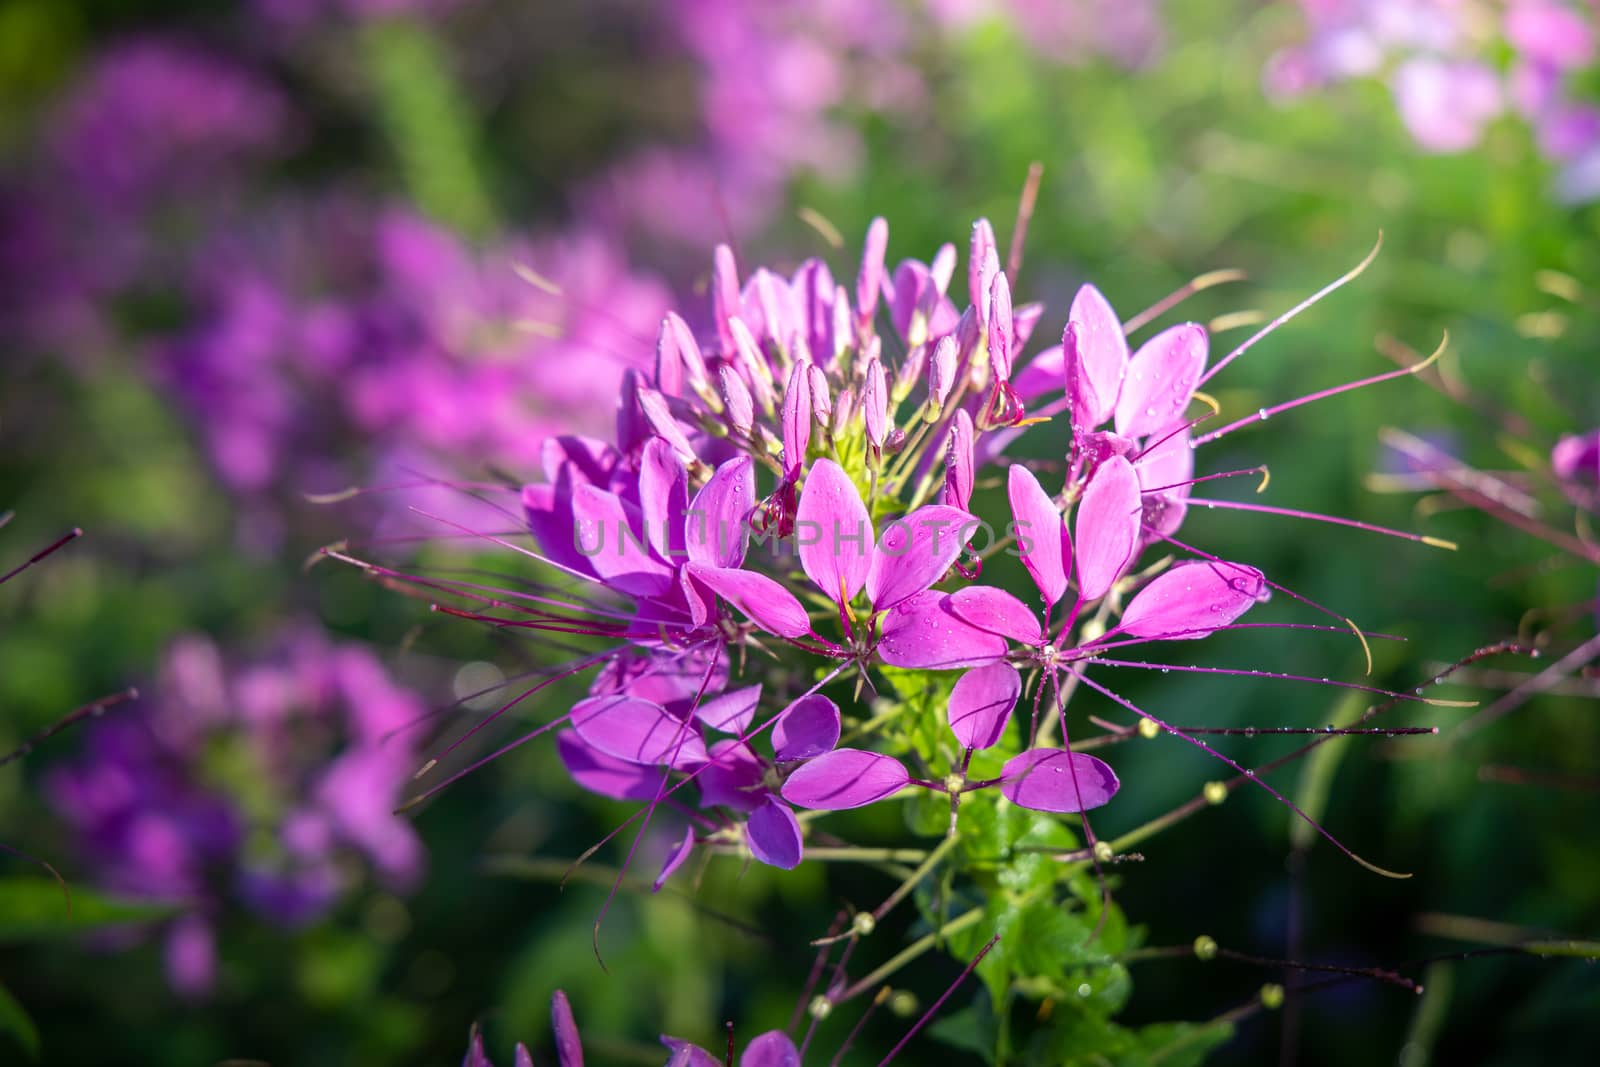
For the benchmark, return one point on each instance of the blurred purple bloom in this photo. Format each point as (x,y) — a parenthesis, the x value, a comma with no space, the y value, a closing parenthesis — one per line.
(248,782)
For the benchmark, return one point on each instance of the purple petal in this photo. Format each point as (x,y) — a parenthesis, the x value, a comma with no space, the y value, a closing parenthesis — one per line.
(476,1056)
(1107,527)
(725,294)
(663,497)
(1053,779)
(638,731)
(796,418)
(585,459)
(1000,328)
(1161,380)
(658,414)
(1193,599)
(687,1055)
(765,602)
(1095,354)
(679,362)
(996,611)
(1042,536)
(1023,320)
(732,778)
(774,835)
(981,703)
(771,1049)
(730,712)
(914,552)
(1166,469)
(569,1051)
(1042,375)
(941,372)
(607,532)
(924,632)
(834,532)
(807,728)
(523,1058)
(603,775)
(875,403)
(983,263)
(675,858)
(869,281)
(718,532)
(959,462)
(845,778)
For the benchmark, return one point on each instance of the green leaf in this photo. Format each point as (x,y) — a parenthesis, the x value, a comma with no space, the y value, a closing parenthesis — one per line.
(14,1021)
(972,1029)
(35,908)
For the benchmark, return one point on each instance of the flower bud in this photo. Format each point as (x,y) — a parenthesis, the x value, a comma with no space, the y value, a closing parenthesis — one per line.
(869,281)
(741,409)
(875,403)
(941,375)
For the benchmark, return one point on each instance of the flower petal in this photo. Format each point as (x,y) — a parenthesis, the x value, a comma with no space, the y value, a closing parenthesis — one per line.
(607,532)
(925,632)
(845,778)
(1107,527)
(717,530)
(731,778)
(638,731)
(663,498)
(1193,599)
(771,1049)
(1053,779)
(1165,470)
(604,775)
(1000,326)
(732,711)
(569,1051)
(807,728)
(674,860)
(996,611)
(774,836)
(1095,355)
(687,1055)
(765,602)
(1042,538)
(981,703)
(959,462)
(796,419)
(833,532)
(914,552)
(1161,380)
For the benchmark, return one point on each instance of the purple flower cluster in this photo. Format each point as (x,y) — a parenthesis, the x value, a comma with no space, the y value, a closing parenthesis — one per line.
(1442,59)
(781,481)
(255,782)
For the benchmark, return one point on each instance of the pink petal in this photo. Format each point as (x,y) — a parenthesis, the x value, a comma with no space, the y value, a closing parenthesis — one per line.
(983,263)
(834,532)
(674,860)
(1053,779)
(774,836)
(717,527)
(663,498)
(1161,380)
(1000,328)
(1193,599)
(924,632)
(981,703)
(730,712)
(771,1049)
(996,611)
(1165,470)
(796,418)
(1042,375)
(806,729)
(959,462)
(1107,527)
(1095,355)
(732,778)
(679,362)
(569,1051)
(1041,534)
(687,1055)
(765,602)
(607,532)
(603,775)
(845,778)
(875,403)
(914,552)
(869,280)
(637,731)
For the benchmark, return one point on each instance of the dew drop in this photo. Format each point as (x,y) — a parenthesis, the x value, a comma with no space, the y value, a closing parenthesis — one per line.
(1249,731)
(1249,772)
(1262,414)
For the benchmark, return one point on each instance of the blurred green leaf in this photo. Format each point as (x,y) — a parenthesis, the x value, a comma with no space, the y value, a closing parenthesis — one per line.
(35,908)
(14,1021)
